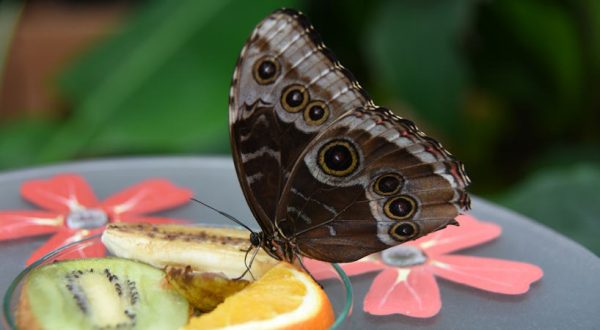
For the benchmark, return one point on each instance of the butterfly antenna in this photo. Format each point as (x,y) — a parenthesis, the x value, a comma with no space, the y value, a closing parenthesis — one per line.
(228,216)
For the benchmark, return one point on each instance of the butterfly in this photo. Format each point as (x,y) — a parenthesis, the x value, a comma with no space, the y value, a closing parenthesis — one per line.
(327,173)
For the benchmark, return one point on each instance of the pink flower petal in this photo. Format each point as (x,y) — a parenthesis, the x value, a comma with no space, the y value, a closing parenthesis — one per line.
(145,197)
(61,193)
(471,232)
(318,269)
(495,275)
(322,270)
(67,236)
(408,291)
(154,220)
(365,265)
(17,224)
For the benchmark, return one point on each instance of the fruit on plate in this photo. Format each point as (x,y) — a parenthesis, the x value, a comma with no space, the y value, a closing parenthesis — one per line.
(204,248)
(284,298)
(203,290)
(99,293)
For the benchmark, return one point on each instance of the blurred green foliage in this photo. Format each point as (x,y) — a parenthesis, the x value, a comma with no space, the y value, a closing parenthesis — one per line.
(510,87)
(569,197)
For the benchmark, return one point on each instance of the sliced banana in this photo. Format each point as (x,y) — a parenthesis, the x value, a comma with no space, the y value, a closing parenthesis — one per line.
(204,248)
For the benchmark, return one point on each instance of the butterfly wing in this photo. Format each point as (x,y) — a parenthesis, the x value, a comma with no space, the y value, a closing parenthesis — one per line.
(286,88)
(371,180)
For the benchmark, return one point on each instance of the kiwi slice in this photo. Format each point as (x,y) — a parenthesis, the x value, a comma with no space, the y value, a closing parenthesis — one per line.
(103,293)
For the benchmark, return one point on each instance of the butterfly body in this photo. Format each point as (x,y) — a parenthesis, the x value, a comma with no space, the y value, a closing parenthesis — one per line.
(326,172)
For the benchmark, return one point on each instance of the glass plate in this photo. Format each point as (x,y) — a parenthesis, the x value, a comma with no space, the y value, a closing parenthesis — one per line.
(337,286)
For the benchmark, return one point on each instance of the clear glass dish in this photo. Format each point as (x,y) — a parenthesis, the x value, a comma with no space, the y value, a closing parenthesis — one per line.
(337,285)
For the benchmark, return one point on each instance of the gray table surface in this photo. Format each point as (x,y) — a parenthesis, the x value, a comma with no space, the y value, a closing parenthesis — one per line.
(567,297)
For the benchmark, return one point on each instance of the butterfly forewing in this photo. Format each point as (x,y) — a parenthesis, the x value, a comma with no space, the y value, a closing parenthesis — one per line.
(287,87)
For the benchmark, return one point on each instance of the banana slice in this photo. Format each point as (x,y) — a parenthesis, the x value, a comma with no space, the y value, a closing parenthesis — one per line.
(204,248)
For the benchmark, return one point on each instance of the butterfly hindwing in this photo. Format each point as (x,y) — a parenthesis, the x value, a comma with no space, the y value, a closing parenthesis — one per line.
(370,181)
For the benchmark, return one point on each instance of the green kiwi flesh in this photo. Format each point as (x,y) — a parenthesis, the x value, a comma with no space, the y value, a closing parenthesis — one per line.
(102,293)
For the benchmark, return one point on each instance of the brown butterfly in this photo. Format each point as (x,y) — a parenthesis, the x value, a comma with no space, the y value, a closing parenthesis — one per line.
(326,172)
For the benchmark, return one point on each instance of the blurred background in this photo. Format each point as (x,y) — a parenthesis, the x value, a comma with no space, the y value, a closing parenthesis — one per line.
(510,87)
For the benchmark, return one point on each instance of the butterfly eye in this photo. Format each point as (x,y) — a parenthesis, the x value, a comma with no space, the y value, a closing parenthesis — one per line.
(403,231)
(400,207)
(316,113)
(254,239)
(388,184)
(294,98)
(266,70)
(338,158)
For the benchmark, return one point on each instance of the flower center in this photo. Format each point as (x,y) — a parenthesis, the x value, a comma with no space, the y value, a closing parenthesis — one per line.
(86,218)
(403,256)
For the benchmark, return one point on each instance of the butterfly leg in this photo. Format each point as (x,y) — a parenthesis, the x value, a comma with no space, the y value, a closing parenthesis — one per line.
(299,261)
(252,260)
(249,265)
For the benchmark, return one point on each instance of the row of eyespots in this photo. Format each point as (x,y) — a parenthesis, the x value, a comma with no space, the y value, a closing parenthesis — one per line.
(295,98)
(399,208)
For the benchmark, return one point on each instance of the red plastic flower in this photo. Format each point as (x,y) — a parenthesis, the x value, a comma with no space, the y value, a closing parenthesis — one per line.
(406,283)
(72,211)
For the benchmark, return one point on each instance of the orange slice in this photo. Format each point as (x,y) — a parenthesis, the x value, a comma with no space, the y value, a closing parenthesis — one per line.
(284,298)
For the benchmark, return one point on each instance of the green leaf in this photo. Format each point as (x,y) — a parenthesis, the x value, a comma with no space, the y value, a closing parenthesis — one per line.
(566,199)
(161,84)
(564,155)
(20,141)
(593,15)
(414,48)
(549,33)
